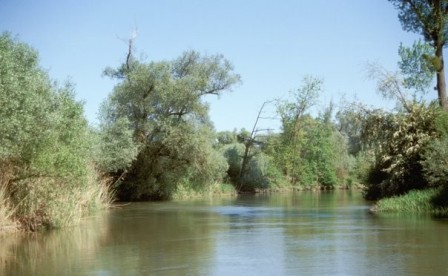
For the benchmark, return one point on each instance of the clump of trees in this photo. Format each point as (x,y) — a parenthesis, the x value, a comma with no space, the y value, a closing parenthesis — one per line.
(311,151)
(308,153)
(155,136)
(47,179)
(251,167)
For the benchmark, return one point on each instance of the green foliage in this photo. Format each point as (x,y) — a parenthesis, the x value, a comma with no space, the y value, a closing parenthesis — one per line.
(430,19)
(226,137)
(44,143)
(440,200)
(261,172)
(349,124)
(162,101)
(399,140)
(434,63)
(427,17)
(293,117)
(432,201)
(116,148)
(414,201)
(416,66)
(435,156)
(435,162)
(233,154)
(23,89)
(309,151)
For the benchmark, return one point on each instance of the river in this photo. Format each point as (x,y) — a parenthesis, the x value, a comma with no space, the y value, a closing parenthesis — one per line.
(302,233)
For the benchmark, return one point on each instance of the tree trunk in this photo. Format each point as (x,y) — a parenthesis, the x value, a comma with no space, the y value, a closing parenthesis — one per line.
(441,82)
(248,144)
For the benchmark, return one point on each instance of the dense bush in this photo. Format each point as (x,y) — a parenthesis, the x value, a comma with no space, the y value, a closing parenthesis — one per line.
(399,141)
(44,143)
(435,156)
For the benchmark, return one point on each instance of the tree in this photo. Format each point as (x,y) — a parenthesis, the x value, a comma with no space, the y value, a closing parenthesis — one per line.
(163,103)
(249,142)
(430,19)
(293,115)
(414,66)
(411,82)
(349,123)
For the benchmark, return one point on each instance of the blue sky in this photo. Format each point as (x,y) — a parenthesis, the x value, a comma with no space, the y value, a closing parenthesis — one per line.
(272,44)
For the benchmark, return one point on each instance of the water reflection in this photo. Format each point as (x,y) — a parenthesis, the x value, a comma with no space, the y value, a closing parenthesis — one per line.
(280,234)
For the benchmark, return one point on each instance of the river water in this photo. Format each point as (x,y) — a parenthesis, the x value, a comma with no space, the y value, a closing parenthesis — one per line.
(306,233)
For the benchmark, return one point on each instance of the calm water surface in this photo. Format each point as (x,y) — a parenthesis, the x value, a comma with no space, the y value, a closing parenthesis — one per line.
(327,233)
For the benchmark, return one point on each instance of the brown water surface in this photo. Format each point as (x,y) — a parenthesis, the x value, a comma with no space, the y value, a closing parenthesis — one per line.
(326,233)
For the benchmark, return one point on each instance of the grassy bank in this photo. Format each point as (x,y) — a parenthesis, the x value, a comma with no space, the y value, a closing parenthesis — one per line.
(187,191)
(416,201)
(50,202)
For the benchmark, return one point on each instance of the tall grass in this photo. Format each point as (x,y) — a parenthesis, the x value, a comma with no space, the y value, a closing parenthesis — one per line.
(415,201)
(40,202)
(7,222)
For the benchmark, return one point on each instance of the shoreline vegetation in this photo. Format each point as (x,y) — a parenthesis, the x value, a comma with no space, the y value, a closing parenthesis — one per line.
(47,178)
(416,202)
(155,140)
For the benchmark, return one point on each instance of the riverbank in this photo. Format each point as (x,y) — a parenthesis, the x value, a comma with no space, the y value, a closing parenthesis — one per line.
(416,201)
(185,192)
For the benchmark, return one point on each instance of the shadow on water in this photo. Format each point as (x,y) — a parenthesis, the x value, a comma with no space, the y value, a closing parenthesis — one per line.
(278,234)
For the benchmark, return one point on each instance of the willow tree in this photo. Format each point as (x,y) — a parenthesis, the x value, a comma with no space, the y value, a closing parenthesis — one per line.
(162,103)
(430,19)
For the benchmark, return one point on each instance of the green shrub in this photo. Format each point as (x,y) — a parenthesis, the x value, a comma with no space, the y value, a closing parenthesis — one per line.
(435,156)
(233,154)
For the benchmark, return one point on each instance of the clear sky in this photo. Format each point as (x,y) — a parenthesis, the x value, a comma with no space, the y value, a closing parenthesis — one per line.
(272,44)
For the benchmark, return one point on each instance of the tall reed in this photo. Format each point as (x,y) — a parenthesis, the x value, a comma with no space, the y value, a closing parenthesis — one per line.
(7,222)
(415,201)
